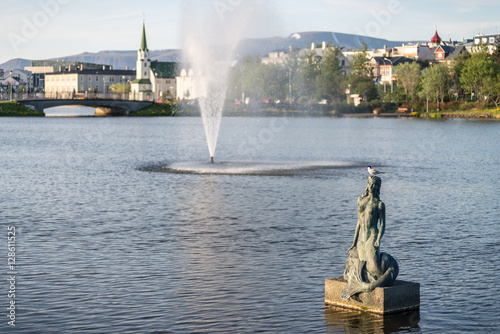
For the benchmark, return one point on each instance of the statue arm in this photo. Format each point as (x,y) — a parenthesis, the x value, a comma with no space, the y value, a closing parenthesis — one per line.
(356,234)
(381,231)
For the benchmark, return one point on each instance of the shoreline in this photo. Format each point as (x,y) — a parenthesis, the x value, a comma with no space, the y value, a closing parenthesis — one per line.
(14,109)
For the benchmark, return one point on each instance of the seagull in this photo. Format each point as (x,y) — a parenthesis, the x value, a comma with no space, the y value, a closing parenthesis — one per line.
(373,172)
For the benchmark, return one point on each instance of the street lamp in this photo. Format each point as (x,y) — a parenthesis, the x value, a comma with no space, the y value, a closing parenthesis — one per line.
(10,86)
(390,73)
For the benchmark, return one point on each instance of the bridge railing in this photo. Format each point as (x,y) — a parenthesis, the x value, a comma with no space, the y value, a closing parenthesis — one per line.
(22,96)
(67,96)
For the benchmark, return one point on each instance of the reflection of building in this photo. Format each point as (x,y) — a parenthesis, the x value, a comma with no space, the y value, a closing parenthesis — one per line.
(64,84)
(154,80)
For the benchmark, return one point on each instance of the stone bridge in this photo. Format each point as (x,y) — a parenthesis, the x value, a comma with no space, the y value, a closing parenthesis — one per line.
(103,106)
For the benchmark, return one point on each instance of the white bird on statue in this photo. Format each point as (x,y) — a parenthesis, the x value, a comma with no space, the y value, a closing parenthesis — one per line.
(374,172)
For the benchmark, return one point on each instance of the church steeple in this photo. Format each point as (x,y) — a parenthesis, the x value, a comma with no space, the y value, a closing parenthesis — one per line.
(144,44)
(143,61)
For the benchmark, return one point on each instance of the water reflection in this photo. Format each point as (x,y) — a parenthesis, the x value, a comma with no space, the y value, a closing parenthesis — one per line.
(339,320)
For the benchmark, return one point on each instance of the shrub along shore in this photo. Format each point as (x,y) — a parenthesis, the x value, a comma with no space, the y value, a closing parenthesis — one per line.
(471,110)
(17,110)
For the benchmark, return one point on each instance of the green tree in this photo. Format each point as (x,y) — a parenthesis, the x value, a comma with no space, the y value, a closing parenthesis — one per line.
(477,69)
(329,80)
(360,78)
(492,90)
(359,64)
(436,82)
(496,54)
(307,74)
(458,66)
(119,88)
(408,75)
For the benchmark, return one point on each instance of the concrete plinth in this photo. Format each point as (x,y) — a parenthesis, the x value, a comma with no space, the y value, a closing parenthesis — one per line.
(401,297)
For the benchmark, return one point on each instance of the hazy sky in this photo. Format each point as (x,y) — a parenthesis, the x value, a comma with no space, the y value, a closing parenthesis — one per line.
(40,29)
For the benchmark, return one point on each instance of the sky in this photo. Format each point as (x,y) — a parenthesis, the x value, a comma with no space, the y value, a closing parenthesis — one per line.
(42,29)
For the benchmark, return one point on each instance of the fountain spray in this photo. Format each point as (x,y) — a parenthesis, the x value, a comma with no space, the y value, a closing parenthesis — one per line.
(212,31)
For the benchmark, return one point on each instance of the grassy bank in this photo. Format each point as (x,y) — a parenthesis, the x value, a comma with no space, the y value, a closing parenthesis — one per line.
(484,113)
(164,109)
(156,110)
(16,109)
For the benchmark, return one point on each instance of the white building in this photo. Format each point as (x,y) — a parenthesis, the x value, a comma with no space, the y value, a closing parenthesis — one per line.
(75,82)
(154,80)
(489,40)
(186,88)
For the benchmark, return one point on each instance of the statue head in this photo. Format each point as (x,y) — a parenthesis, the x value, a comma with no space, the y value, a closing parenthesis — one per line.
(374,185)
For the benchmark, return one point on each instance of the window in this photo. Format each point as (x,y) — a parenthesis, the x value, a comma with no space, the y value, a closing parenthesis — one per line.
(90,78)
(81,78)
(96,78)
(492,40)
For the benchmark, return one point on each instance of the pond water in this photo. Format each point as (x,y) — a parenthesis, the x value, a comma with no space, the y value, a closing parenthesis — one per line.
(109,239)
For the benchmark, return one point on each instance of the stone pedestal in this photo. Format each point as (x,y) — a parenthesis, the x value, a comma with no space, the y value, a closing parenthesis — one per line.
(401,297)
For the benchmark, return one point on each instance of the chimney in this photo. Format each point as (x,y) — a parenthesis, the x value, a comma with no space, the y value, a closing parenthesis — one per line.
(126,68)
(104,67)
(324,45)
(312,46)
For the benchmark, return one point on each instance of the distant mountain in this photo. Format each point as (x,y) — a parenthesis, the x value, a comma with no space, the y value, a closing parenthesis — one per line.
(304,40)
(15,64)
(122,59)
(260,47)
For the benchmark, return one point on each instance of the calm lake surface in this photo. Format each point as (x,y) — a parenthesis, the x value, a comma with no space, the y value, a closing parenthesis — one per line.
(107,242)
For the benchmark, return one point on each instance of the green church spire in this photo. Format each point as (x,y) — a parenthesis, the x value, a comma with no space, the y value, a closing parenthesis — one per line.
(144,44)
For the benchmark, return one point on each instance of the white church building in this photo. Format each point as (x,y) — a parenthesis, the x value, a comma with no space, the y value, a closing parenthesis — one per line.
(154,80)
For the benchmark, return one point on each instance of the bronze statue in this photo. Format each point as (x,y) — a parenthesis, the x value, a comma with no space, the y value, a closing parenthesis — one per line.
(367,268)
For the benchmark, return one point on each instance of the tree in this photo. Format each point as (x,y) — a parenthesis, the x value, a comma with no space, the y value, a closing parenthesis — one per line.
(496,54)
(329,80)
(436,82)
(408,75)
(119,88)
(477,69)
(307,74)
(492,90)
(359,64)
(458,66)
(360,77)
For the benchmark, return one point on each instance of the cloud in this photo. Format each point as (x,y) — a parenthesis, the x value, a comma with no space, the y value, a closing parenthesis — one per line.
(361,5)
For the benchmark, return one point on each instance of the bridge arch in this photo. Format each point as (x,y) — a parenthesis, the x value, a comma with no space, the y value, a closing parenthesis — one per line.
(122,107)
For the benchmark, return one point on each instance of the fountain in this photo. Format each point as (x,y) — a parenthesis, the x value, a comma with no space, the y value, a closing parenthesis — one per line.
(212,30)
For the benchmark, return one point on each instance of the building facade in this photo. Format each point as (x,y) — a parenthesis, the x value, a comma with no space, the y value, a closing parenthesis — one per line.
(490,40)
(84,83)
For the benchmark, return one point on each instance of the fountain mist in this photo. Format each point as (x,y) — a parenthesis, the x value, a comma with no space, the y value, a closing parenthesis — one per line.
(212,30)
